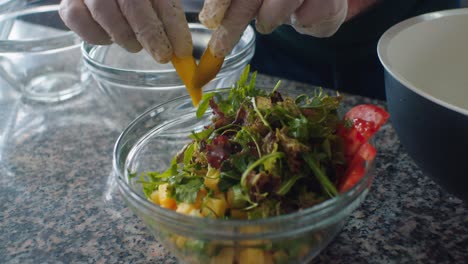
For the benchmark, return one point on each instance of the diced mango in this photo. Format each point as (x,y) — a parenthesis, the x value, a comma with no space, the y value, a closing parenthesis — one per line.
(238,214)
(154,197)
(165,199)
(214,207)
(251,256)
(196,213)
(212,179)
(230,197)
(268,258)
(185,208)
(180,241)
(225,256)
(199,200)
(252,230)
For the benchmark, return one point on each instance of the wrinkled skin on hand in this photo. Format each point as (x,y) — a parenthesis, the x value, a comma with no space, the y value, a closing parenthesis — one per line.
(157,26)
(317,18)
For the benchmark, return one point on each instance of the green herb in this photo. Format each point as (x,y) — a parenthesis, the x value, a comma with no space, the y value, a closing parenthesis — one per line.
(327,185)
(204,104)
(187,192)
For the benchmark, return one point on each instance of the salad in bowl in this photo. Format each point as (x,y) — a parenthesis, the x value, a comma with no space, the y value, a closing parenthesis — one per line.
(261,177)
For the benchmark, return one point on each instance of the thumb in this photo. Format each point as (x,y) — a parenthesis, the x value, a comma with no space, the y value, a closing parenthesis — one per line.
(320,18)
(237,18)
(213,12)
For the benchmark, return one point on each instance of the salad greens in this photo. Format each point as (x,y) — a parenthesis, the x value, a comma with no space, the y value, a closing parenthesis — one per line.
(264,154)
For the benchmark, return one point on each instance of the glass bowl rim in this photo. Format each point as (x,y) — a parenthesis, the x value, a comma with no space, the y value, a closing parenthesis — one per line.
(4,2)
(338,202)
(96,65)
(59,41)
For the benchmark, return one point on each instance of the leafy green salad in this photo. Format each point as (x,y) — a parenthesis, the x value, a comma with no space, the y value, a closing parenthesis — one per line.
(266,154)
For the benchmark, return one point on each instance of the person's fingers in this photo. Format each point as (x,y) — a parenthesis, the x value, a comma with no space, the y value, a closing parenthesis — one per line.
(107,14)
(172,15)
(320,18)
(148,28)
(213,12)
(77,17)
(236,19)
(273,13)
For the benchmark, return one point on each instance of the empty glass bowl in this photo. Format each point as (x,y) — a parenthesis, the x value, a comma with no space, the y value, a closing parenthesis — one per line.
(40,56)
(134,82)
(150,142)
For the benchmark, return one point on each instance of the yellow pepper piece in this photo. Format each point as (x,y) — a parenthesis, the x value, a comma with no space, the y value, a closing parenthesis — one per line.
(207,69)
(186,68)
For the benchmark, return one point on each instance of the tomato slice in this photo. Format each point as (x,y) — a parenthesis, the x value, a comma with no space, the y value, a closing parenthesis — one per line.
(353,139)
(367,117)
(367,120)
(357,166)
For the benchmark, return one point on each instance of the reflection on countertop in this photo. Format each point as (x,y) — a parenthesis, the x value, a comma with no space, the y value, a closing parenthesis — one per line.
(57,205)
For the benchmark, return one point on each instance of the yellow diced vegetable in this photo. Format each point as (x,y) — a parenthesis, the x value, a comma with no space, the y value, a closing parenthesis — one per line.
(212,179)
(185,208)
(251,256)
(164,197)
(196,213)
(230,197)
(154,197)
(199,200)
(214,207)
(238,214)
(180,241)
(225,256)
(268,258)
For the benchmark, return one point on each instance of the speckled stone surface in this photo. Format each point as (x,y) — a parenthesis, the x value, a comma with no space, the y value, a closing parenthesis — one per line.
(56,205)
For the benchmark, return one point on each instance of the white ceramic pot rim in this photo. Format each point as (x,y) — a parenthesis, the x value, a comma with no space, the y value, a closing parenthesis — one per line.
(391,33)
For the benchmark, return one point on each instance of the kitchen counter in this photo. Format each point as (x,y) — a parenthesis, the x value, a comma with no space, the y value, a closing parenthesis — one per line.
(58,206)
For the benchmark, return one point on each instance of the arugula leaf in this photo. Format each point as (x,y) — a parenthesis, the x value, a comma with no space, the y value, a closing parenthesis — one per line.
(259,113)
(204,104)
(240,162)
(172,170)
(227,179)
(244,137)
(299,128)
(274,155)
(188,154)
(288,184)
(327,185)
(244,76)
(278,84)
(239,198)
(204,134)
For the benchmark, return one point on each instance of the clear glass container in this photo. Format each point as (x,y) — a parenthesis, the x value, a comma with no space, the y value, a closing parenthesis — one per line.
(40,56)
(150,142)
(125,77)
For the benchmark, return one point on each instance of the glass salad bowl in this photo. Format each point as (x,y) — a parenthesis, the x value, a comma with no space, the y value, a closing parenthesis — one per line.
(150,142)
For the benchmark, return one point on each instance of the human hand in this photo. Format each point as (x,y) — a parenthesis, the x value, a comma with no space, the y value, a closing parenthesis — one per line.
(160,27)
(319,18)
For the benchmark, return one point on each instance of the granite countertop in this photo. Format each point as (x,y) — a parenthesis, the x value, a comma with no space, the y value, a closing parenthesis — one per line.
(56,205)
